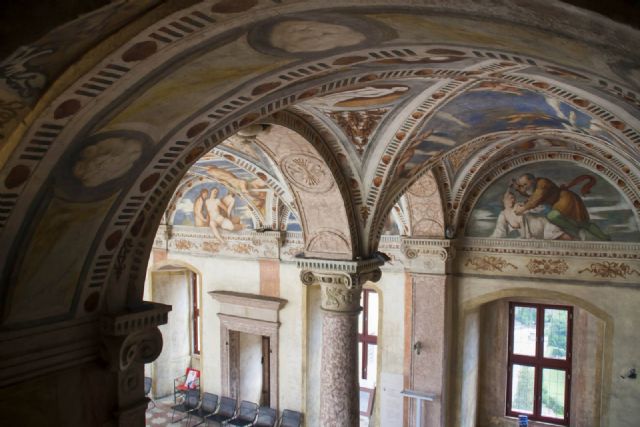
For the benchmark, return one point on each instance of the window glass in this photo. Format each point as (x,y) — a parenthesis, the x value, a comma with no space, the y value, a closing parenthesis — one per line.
(372,360)
(372,313)
(360,360)
(524,331)
(539,362)
(361,313)
(555,334)
(553,382)
(522,392)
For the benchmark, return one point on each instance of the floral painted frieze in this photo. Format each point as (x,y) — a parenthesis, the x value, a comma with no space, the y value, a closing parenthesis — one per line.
(489,263)
(611,269)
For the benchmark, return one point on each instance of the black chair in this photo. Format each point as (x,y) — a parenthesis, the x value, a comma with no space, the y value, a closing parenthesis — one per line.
(267,417)
(208,406)
(188,405)
(147,389)
(226,411)
(290,419)
(246,415)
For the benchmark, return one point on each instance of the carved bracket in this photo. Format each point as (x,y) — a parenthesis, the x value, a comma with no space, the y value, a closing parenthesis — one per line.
(133,337)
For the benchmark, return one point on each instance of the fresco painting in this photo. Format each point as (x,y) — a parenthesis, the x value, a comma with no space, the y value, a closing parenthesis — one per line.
(55,247)
(228,198)
(215,206)
(236,179)
(488,108)
(364,97)
(553,201)
(293,224)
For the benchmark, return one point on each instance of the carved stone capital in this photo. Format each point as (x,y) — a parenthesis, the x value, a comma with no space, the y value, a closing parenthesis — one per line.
(427,255)
(341,281)
(133,337)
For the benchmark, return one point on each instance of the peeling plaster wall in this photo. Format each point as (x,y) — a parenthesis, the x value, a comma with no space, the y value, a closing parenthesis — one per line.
(605,317)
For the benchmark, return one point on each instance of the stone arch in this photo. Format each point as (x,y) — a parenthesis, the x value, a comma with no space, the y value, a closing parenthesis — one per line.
(126,233)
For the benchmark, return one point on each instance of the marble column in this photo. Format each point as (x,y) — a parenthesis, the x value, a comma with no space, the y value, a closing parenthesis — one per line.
(341,286)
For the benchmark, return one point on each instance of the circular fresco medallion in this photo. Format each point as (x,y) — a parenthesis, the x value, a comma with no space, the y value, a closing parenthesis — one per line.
(307,173)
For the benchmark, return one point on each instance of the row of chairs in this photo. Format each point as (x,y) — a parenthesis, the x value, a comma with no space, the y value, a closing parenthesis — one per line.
(224,411)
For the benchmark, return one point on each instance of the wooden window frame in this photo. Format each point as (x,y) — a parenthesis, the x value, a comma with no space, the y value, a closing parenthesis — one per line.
(539,362)
(195,315)
(365,338)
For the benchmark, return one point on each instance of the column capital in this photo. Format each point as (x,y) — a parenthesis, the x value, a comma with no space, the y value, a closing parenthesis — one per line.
(341,281)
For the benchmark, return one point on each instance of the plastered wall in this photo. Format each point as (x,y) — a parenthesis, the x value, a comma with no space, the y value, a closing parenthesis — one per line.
(300,333)
(606,343)
(172,287)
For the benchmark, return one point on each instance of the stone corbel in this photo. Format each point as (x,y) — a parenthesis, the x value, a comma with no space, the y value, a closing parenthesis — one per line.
(133,337)
(129,340)
(341,281)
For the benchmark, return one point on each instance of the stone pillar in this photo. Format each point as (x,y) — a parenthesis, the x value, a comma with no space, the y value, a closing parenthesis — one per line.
(129,340)
(427,263)
(341,285)
(431,318)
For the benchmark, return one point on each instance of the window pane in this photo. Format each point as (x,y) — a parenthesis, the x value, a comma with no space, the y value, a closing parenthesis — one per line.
(372,312)
(372,367)
(361,314)
(555,333)
(360,360)
(524,331)
(553,381)
(522,389)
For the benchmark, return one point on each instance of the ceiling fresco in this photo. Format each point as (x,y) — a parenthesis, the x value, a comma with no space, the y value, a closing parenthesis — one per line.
(395,86)
(241,185)
(553,201)
(488,108)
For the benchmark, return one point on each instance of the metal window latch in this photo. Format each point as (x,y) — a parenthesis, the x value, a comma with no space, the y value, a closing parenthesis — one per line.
(417,347)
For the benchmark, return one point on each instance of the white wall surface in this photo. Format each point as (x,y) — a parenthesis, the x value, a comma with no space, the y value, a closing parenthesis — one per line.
(250,367)
(172,288)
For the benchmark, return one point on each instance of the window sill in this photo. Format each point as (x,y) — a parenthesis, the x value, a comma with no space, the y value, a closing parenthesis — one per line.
(513,421)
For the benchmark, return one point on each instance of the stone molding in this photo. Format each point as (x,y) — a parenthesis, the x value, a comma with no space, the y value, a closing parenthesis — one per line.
(249,300)
(550,247)
(251,244)
(604,262)
(341,281)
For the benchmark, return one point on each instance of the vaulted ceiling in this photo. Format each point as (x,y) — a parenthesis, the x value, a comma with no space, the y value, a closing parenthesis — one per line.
(366,102)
